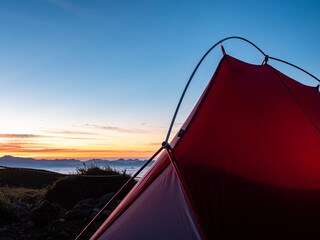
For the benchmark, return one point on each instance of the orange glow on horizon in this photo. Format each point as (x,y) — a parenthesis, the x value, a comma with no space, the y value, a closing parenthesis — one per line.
(81,154)
(53,144)
(82,141)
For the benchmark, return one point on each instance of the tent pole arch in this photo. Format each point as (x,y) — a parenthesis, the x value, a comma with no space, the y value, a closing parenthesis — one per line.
(201,60)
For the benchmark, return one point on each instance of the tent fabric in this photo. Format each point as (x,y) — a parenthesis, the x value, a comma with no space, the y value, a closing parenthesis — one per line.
(152,173)
(249,158)
(162,210)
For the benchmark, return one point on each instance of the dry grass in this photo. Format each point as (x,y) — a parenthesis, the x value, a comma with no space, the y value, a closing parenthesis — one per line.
(19,194)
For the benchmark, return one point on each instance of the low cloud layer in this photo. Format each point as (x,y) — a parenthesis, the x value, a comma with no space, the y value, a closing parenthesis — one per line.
(115,129)
(13,135)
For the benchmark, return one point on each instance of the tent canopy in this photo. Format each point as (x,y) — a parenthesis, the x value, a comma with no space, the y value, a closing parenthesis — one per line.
(249,163)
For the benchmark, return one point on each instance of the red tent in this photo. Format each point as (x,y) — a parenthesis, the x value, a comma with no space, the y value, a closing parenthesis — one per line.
(245,165)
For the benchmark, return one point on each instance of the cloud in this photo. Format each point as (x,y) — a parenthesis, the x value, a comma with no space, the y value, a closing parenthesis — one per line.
(115,129)
(16,148)
(67,132)
(154,144)
(11,138)
(76,134)
(33,150)
(14,145)
(13,135)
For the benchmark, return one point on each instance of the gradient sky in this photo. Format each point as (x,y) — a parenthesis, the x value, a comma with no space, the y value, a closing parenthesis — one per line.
(83,79)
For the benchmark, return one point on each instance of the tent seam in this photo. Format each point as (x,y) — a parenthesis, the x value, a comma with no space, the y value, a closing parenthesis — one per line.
(212,81)
(185,189)
(134,199)
(296,100)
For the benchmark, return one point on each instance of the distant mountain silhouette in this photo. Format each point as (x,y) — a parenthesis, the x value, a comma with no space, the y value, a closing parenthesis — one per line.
(10,161)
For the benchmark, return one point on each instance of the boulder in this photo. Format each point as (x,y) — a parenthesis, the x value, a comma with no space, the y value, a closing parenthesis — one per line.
(86,203)
(61,220)
(44,213)
(21,209)
(62,211)
(102,201)
(106,213)
(63,234)
(30,224)
(92,215)
(78,213)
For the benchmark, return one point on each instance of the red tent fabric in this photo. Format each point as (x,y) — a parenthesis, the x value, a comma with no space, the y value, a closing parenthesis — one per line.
(249,159)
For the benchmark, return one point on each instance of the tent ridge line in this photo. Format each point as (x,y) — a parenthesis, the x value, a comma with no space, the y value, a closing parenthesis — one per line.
(132,201)
(212,81)
(267,57)
(296,100)
(194,72)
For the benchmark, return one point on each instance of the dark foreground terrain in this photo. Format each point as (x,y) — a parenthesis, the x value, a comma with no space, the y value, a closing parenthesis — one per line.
(38,204)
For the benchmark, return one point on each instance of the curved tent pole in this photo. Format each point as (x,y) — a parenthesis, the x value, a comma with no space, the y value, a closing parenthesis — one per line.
(193,73)
(201,60)
(165,144)
(279,60)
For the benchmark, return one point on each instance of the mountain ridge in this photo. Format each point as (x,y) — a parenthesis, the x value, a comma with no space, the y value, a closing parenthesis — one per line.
(11,161)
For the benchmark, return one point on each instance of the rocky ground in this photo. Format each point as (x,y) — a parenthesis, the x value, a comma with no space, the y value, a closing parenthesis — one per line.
(49,220)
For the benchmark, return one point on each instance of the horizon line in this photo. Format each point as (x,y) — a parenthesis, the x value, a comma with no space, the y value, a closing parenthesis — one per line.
(81,158)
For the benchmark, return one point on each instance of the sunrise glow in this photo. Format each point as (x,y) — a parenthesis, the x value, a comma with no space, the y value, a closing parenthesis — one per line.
(82,79)
(91,142)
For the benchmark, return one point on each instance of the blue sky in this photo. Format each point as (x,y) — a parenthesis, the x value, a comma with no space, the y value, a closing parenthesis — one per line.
(122,65)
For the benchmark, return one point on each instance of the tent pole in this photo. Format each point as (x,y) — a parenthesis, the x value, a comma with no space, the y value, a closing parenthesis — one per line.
(120,190)
(279,60)
(205,55)
(195,70)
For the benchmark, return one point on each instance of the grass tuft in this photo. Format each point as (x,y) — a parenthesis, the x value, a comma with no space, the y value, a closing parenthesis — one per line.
(20,194)
(96,170)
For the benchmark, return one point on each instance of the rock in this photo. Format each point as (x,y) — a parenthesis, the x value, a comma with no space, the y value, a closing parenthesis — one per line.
(44,213)
(62,211)
(50,228)
(22,205)
(61,220)
(102,201)
(30,224)
(92,215)
(87,202)
(96,210)
(106,213)
(21,209)
(78,213)
(6,238)
(105,198)
(63,234)
(83,209)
